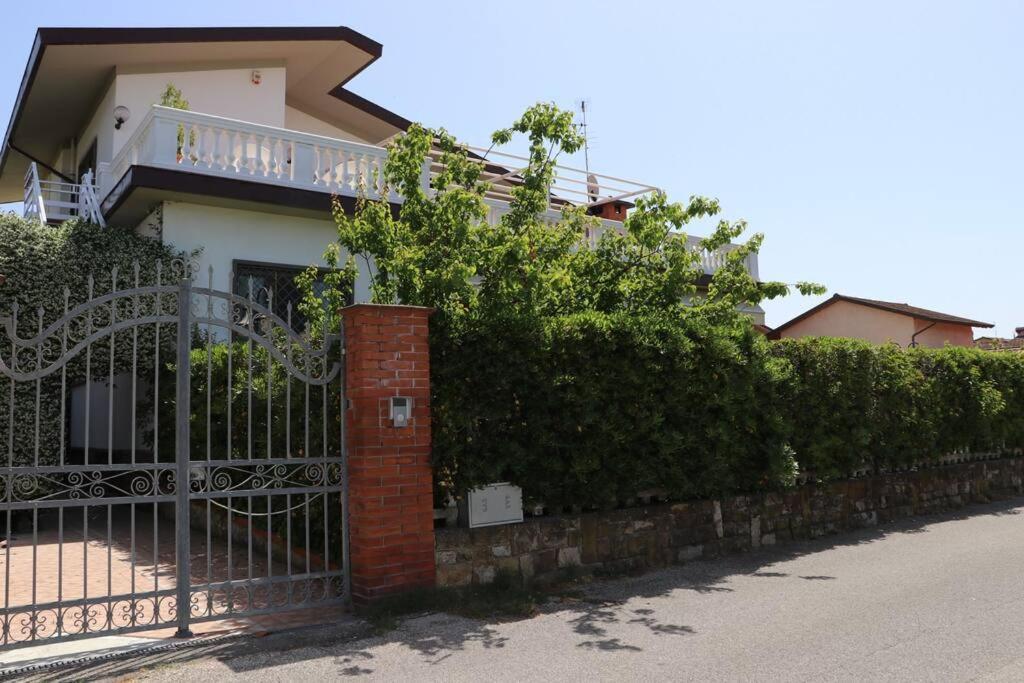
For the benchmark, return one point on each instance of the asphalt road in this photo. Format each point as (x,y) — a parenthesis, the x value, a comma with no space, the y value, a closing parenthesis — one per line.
(935,598)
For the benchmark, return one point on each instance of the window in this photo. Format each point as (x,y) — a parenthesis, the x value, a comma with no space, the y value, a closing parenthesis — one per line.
(279,279)
(87,162)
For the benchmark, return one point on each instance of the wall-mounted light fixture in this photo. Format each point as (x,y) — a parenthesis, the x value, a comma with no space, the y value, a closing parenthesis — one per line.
(121,114)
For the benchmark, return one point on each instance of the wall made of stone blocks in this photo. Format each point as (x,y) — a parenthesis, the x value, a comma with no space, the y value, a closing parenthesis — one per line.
(658,535)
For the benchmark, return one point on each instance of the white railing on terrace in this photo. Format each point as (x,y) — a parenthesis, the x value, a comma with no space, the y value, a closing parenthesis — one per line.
(33,203)
(53,201)
(710,260)
(214,145)
(218,146)
(576,186)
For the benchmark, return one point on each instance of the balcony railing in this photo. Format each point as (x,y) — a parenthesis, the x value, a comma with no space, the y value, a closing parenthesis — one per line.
(218,146)
(214,145)
(53,201)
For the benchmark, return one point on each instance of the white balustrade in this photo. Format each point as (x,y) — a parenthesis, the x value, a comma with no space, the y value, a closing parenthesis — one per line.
(214,145)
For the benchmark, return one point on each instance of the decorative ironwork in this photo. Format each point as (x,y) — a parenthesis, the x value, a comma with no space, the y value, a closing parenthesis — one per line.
(24,488)
(114,400)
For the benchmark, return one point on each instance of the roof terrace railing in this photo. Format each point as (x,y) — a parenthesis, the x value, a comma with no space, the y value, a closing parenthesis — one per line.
(571,185)
(218,146)
(215,145)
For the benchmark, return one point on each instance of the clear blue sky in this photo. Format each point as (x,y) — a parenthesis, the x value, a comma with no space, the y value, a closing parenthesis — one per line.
(878,145)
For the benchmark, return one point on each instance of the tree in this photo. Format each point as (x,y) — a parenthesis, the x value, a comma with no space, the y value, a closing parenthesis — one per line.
(172,97)
(438,251)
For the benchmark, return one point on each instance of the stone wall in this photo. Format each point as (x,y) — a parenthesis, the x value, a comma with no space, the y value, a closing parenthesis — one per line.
(657,535)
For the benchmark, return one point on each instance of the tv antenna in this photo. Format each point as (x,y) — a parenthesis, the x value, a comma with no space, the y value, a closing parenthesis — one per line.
(593,187)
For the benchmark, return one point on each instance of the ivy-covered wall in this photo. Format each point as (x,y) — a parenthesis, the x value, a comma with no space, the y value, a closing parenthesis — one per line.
(594,410)
(42,266)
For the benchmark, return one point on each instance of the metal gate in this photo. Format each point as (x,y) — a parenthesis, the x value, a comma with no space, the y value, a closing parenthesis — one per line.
(175,454)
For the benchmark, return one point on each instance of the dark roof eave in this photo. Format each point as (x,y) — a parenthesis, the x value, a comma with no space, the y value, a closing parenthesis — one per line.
(361,103)
(125,36)
(208,34)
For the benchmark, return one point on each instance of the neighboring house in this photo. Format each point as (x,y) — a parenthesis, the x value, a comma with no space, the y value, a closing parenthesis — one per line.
(880,322)
(247,174)
(1016,344)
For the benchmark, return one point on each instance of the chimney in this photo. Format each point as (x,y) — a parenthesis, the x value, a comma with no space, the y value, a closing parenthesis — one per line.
(1020,332)
(613,211)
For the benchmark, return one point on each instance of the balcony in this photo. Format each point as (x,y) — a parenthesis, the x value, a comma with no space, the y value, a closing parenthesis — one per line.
(216,146)
(54,201)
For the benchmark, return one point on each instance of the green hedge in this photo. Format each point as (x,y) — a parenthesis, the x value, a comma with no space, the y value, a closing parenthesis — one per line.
(592,410)
(851,404)
(39,262)
(288,433)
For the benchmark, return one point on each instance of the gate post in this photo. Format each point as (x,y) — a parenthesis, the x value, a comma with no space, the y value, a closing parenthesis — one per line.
(182,413)
(391,503)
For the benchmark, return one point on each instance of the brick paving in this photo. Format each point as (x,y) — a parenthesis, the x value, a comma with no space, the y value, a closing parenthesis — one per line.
(105,563)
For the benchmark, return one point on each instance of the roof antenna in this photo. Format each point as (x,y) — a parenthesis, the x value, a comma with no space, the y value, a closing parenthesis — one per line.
(593,187)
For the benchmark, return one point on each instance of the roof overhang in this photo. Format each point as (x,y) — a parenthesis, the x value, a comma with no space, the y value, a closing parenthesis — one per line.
(144,187)
(69,68)
(933,317)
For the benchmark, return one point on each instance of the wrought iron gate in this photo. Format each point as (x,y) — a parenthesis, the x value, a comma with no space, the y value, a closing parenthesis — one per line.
(167,445)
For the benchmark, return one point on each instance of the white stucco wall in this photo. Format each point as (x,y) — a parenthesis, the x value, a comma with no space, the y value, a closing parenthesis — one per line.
(300,120)
(227,92)
(226,235)
(223,92)
(99,128)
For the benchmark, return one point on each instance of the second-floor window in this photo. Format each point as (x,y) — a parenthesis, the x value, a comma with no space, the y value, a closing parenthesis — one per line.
(275,279)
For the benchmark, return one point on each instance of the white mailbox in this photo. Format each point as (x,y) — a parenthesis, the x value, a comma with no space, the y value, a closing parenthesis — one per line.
(495,504)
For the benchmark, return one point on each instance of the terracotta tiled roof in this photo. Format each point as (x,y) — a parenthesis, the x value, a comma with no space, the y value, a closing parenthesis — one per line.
(999,344)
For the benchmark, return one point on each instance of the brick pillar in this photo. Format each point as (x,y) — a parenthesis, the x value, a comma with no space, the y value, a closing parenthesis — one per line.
(391,520)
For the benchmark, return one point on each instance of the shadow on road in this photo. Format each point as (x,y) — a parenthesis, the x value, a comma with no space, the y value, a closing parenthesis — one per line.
(592,609)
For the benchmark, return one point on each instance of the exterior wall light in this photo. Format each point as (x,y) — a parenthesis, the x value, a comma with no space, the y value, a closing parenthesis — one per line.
(121,114)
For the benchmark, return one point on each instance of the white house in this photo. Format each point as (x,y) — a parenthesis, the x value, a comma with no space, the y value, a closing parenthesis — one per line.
(248,173)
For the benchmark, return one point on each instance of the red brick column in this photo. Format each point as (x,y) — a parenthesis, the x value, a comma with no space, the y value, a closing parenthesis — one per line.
(391,520)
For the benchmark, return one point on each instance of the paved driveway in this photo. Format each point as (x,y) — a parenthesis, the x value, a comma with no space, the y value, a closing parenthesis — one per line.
(939,598)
